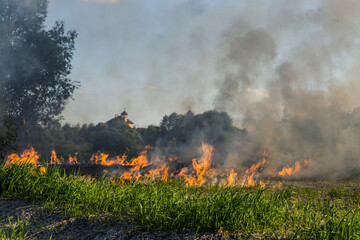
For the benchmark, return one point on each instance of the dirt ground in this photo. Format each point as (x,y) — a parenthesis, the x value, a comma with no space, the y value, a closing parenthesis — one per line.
(45,224)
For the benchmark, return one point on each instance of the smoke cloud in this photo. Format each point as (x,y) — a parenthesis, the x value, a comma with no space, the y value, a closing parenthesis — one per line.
(310,109)
(101,1)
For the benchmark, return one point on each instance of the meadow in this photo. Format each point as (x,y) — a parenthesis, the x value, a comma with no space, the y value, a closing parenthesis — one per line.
(290,212)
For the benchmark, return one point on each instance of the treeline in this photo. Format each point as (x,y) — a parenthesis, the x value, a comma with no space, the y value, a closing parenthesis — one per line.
(179,134)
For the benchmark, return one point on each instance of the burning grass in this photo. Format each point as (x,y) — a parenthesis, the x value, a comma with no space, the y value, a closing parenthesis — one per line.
(328,213)
(144,167)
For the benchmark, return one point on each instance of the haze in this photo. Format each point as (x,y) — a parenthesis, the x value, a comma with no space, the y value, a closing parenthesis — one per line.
(155,57)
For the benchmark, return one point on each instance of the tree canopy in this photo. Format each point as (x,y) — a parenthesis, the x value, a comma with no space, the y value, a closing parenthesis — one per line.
(34,63)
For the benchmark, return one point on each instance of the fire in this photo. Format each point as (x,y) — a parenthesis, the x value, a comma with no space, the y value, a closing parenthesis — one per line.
(202,168)
(252,172)
(29,156)
(288,171)
(54,159)
(136,164)
(102,159)
(73,159)
(161,172)
(42,170)
(278,185)
(200,172)
(231,178)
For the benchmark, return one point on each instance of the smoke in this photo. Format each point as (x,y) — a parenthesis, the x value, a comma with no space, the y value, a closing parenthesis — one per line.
(288,73)
(101,1)
(305,64)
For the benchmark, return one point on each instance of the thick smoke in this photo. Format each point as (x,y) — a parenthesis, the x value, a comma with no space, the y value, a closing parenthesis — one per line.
(306,96)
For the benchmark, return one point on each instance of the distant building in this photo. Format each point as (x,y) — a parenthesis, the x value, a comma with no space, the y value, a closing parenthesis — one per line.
(189,113)
(122,117)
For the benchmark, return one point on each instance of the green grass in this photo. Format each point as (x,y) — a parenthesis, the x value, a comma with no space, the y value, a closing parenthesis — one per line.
(294,213)
(14,230)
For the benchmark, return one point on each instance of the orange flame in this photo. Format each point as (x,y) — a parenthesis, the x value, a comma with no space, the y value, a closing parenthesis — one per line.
(202,167)
(54,159)
(288,171)
(136,164)
(99,158)
(278,185)
(42,170)
(29,156)
(73,159)
(231,178)
(102,159)
(248,178)
(200,172)
(161,172)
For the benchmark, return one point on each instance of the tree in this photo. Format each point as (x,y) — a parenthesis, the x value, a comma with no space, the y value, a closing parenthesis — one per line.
(168,123)
(116,138)
(150,135)
(34,63)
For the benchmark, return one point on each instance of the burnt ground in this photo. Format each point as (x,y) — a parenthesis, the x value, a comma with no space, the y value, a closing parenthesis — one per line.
(51,224)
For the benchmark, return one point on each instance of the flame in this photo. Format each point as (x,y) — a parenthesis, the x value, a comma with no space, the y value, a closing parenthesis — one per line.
(288,171)
(73,160)
(99,158)
(136,164)
(29,156)
(202,168)
(102,159)
(54,159)
(161,172)
(248,178)
(278,185)
(42,170)
(262,184)
(231,178)
(201,171)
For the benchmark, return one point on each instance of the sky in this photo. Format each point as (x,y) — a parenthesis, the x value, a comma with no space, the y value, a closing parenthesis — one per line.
(150,57)
(155,57)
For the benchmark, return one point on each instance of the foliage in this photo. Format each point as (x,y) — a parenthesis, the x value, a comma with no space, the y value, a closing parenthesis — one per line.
(151,135)
(183,134)
(15,230)
(212,127)
(34,63)
(8,135)
(117,138)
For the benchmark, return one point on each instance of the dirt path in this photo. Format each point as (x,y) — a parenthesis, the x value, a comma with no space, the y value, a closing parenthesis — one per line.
(44,224)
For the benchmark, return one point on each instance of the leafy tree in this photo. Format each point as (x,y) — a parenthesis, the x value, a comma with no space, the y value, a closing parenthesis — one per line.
(116,138)
(8,135)
(168,123)
(150,135)
(34,63)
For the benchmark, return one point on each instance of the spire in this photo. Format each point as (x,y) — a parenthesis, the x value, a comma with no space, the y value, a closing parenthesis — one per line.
(189,112)
(124,113)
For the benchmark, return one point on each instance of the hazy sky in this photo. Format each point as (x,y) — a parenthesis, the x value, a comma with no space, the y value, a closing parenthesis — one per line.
(155,57)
